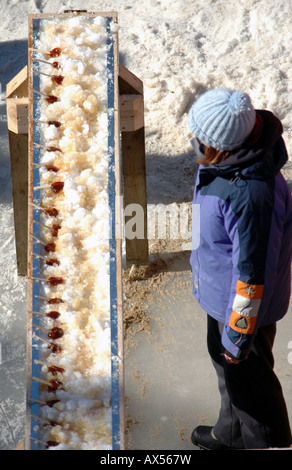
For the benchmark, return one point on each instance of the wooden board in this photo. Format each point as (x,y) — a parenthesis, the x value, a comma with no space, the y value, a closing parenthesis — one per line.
(17,115)
(134,167)
(18,146)
(135,197)
(18,86)
(114,193)
(17,101)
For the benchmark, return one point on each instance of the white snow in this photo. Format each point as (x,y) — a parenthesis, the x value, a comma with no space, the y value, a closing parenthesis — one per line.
(86,268)
(179,49)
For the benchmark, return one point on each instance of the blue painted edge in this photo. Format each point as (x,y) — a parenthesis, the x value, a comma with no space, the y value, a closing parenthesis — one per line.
(35,262)
(115,390)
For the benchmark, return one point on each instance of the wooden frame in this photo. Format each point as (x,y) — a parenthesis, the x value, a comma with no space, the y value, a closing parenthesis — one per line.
(131,108)
(116,243)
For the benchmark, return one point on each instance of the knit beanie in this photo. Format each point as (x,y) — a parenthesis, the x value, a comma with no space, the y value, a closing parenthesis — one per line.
(222,118)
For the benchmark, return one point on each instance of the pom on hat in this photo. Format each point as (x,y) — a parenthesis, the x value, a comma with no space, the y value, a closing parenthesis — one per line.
(222,118)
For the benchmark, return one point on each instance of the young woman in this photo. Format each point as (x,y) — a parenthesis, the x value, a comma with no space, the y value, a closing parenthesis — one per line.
(241,268)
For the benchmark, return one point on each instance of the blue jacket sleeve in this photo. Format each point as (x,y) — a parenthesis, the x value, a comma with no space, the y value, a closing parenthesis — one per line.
(249,231)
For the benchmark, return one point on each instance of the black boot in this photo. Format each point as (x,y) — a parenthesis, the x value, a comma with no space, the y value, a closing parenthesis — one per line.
(203,437)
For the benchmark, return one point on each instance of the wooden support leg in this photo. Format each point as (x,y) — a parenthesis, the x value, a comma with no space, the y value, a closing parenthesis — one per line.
(134,166)
(135,196)
(18,144)
(17,111)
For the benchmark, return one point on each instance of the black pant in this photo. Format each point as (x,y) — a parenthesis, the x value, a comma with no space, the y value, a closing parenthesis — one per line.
(253,412)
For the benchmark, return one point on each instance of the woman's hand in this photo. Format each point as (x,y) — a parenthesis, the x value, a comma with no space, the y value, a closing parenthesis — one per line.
(231,359)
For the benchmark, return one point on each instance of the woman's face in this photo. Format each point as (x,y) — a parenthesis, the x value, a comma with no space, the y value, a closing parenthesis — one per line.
(198,146)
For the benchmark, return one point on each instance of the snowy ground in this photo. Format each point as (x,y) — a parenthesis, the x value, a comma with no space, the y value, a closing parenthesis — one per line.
(179,49)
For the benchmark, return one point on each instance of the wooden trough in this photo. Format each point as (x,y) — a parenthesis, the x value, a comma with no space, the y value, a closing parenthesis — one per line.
(68,404)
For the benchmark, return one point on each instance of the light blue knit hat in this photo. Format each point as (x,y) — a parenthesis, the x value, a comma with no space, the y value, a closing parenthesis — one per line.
(222,118)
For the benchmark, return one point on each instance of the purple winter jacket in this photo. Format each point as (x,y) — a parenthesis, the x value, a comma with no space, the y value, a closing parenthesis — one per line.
(241,267)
